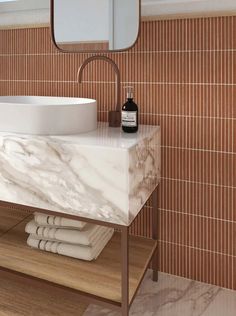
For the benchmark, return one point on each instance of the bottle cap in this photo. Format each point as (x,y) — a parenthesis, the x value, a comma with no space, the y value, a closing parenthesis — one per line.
(130,92)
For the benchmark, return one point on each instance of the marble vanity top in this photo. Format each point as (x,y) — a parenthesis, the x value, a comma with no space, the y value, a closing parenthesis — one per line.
(105,136)
(105,174)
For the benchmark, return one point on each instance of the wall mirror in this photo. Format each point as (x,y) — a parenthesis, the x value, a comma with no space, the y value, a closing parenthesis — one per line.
(16,14)
(36,13)
(92,25)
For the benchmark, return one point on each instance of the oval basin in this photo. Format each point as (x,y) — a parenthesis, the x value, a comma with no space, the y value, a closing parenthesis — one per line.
(38,115)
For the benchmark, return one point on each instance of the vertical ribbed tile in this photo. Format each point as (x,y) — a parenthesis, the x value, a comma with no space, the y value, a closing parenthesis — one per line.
(184,75)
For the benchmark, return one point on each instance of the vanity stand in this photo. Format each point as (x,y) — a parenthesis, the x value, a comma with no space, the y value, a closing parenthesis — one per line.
(125,260)
(103,177)
(126,298)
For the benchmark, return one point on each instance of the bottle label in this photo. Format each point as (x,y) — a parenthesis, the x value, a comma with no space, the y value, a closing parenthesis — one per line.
(129,118)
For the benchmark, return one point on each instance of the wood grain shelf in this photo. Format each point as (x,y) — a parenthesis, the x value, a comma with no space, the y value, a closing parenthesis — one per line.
(100,278)
(9,217)
(35,298)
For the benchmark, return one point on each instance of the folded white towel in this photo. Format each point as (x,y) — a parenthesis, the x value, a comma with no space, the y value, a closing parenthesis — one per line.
(87,237)
(49,220)
(74,251)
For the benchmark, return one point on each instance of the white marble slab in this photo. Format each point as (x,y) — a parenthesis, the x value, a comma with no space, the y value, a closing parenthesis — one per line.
(175,296)
(223,305)
(106,174)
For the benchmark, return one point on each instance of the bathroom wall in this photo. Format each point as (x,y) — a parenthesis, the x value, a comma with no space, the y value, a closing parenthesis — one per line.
(184,75)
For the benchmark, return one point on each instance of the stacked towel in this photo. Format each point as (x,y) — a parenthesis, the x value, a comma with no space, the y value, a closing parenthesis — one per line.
(56,221)
(67,237)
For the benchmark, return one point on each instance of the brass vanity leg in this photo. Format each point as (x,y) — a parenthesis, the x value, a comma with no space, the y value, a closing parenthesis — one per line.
(125,271)
(155,233)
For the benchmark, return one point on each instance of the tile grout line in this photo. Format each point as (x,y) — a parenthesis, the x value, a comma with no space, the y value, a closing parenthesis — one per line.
(200,183)
(56,54)
(199,216)
(123,82)
(200,150)
(196,248)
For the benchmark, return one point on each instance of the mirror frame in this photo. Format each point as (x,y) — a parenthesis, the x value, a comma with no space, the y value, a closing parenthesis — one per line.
(52,28)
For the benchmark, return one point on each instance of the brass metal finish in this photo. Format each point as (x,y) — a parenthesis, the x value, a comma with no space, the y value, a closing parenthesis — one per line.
(114,117)
(155,233)
(125,271)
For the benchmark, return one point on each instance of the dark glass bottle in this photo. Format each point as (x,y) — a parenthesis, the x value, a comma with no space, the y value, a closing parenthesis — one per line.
(129,114)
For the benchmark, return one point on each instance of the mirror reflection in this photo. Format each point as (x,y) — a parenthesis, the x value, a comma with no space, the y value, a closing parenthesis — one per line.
(92,25)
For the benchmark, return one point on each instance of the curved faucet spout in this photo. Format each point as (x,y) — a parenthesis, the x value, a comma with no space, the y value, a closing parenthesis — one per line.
(114,116)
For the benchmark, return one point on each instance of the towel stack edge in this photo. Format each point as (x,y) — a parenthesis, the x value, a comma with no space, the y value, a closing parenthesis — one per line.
(67,237)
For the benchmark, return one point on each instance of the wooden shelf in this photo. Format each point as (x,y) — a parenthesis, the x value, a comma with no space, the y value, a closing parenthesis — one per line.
(100,278)
(35,298)
(10,217)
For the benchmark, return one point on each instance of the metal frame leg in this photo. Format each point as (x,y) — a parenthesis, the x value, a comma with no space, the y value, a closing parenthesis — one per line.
(125,271)
(155,233)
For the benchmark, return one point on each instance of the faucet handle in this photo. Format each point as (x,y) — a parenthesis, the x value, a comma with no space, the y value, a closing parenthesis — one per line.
(114,118)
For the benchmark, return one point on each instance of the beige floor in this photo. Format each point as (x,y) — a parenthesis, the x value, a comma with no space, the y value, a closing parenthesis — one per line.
(174,296)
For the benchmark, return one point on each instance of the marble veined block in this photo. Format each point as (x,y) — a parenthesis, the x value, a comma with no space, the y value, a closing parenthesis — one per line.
(105,175)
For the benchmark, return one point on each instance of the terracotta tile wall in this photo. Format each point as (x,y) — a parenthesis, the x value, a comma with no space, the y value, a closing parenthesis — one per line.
(184,74)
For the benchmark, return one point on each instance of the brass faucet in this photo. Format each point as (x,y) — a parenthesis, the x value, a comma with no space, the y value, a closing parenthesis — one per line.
(114,117)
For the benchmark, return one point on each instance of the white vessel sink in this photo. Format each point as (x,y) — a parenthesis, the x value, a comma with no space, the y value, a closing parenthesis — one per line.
(38,115)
